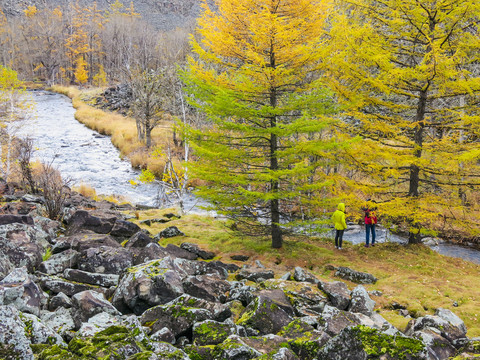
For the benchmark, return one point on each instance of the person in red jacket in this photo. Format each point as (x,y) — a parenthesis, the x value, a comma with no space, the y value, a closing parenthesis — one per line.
(370,221)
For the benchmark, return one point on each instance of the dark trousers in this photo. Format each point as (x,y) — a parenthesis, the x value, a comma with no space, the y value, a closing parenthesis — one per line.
(339,238)
(368,228)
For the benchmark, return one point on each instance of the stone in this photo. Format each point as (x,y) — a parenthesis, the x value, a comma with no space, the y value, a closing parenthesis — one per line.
(206,287)
(85,277)
(57,263)
(234,348)
(284,354)
(19,290)
(241,292)
(357,343)
(83,220)
(123,229)
(97,323)
(39,333)
(360,301)
(138,240)
(437,346)
(239,257)
(162,351)
(264,315)
(193,248)
(210,332)
(333,320)
(302,275)
(105,259)
(83,241)
(5,265)
(179,252)
(453,319)
(355,276)
(176,318)
(278,297)
(337,293)
(448,330)
(169,232)
(18,242)
(16,219)
(13,334)
(60,321)
(150,252)
(220,312)
(87,304)
(48,226)
(254,274)
(57,285)
(164,334)
(59,300)
(146,285)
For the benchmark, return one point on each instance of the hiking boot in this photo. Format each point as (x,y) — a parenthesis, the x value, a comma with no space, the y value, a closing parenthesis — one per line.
(366,245)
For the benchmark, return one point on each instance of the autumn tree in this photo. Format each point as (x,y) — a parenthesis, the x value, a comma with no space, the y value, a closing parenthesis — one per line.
(14,109)
(408,72)
(254,77)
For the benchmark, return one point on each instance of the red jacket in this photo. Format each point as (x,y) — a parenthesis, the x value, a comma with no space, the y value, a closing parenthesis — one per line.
(370,216)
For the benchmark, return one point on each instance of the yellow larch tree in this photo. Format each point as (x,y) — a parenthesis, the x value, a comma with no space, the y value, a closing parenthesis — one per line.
(407,71)
(255,79)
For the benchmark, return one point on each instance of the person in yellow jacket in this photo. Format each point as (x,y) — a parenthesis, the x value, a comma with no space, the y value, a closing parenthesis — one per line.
(338,218)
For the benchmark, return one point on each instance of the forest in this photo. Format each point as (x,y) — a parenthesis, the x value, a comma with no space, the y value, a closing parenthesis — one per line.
(281,109)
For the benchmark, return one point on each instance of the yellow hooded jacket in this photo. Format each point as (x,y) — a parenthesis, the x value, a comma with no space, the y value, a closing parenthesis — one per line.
(338,217)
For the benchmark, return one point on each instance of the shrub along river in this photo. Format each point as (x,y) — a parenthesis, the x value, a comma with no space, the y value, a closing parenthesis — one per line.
(88,157)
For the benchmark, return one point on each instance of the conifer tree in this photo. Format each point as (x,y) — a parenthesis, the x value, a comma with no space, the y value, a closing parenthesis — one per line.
(408,71)
(255,79)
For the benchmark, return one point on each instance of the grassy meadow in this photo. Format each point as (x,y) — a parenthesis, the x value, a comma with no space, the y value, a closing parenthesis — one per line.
(413,276)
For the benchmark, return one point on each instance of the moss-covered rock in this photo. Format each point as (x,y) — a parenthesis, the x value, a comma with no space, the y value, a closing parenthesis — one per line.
(368,343)
(211,332)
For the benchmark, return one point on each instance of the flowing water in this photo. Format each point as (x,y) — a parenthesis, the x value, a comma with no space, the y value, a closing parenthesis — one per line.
(87,157)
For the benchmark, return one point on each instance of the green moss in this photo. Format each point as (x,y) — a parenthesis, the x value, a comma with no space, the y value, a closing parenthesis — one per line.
(248,312)
(376,343)
(7,351)
(55,352)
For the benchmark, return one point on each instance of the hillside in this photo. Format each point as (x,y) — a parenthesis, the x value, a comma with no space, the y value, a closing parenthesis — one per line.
(163,14)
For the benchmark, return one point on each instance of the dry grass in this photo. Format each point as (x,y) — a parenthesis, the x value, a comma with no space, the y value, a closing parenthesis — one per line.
(413,276)
(122,130)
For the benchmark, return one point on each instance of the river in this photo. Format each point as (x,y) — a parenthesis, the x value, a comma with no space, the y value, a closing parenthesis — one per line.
(85,156)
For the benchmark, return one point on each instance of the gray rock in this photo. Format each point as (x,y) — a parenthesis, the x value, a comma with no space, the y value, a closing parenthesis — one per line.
(208,287)
(162,351)
(453,319)
(60,321)
(239,257)
(150,252)
(337,293)
(146,285)
(164,335)
(16,219)
(97,323)
(135,328)
(19,290)
(83,220)
(57,263)
(169,232)
(49,227)
(357,343)
(83,241)
(123,229)
(85,277)
(179,252)
(39,333)
(57,285)
(177,318)
(264,315)
(284,354)
(59,300)
(361,302)
(278,297)
(302,275)
(333,320)
(241,292)
(220,312)
(255,274)
(210,332)
(138,240)
(355,276)
(5,265)
(105,260)
(234,348)
(18,242)
(12,333)
(437,346)
(193,248)
(447,329)
(87,304)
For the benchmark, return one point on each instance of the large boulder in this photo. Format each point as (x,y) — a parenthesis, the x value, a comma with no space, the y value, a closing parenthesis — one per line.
(85,277)
(19,290)
(437,346)
(361,301)
(302,275)
(39,333)
(337,293)
(193,248)
(450,331)
(105,259)
(61,321)
(208,287)
(169,232)
(333,320)
(255,274)
(147,285)
(5,265)
(138,240)
(210,332)
(57,285)
(87,304)
(83,220)
(355,276)
(19,243)
(220,312)
(16,219)
(123,229)
(362,343)
(265,316)
(57,263)
(14,343)
(83,241)
(148,253)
